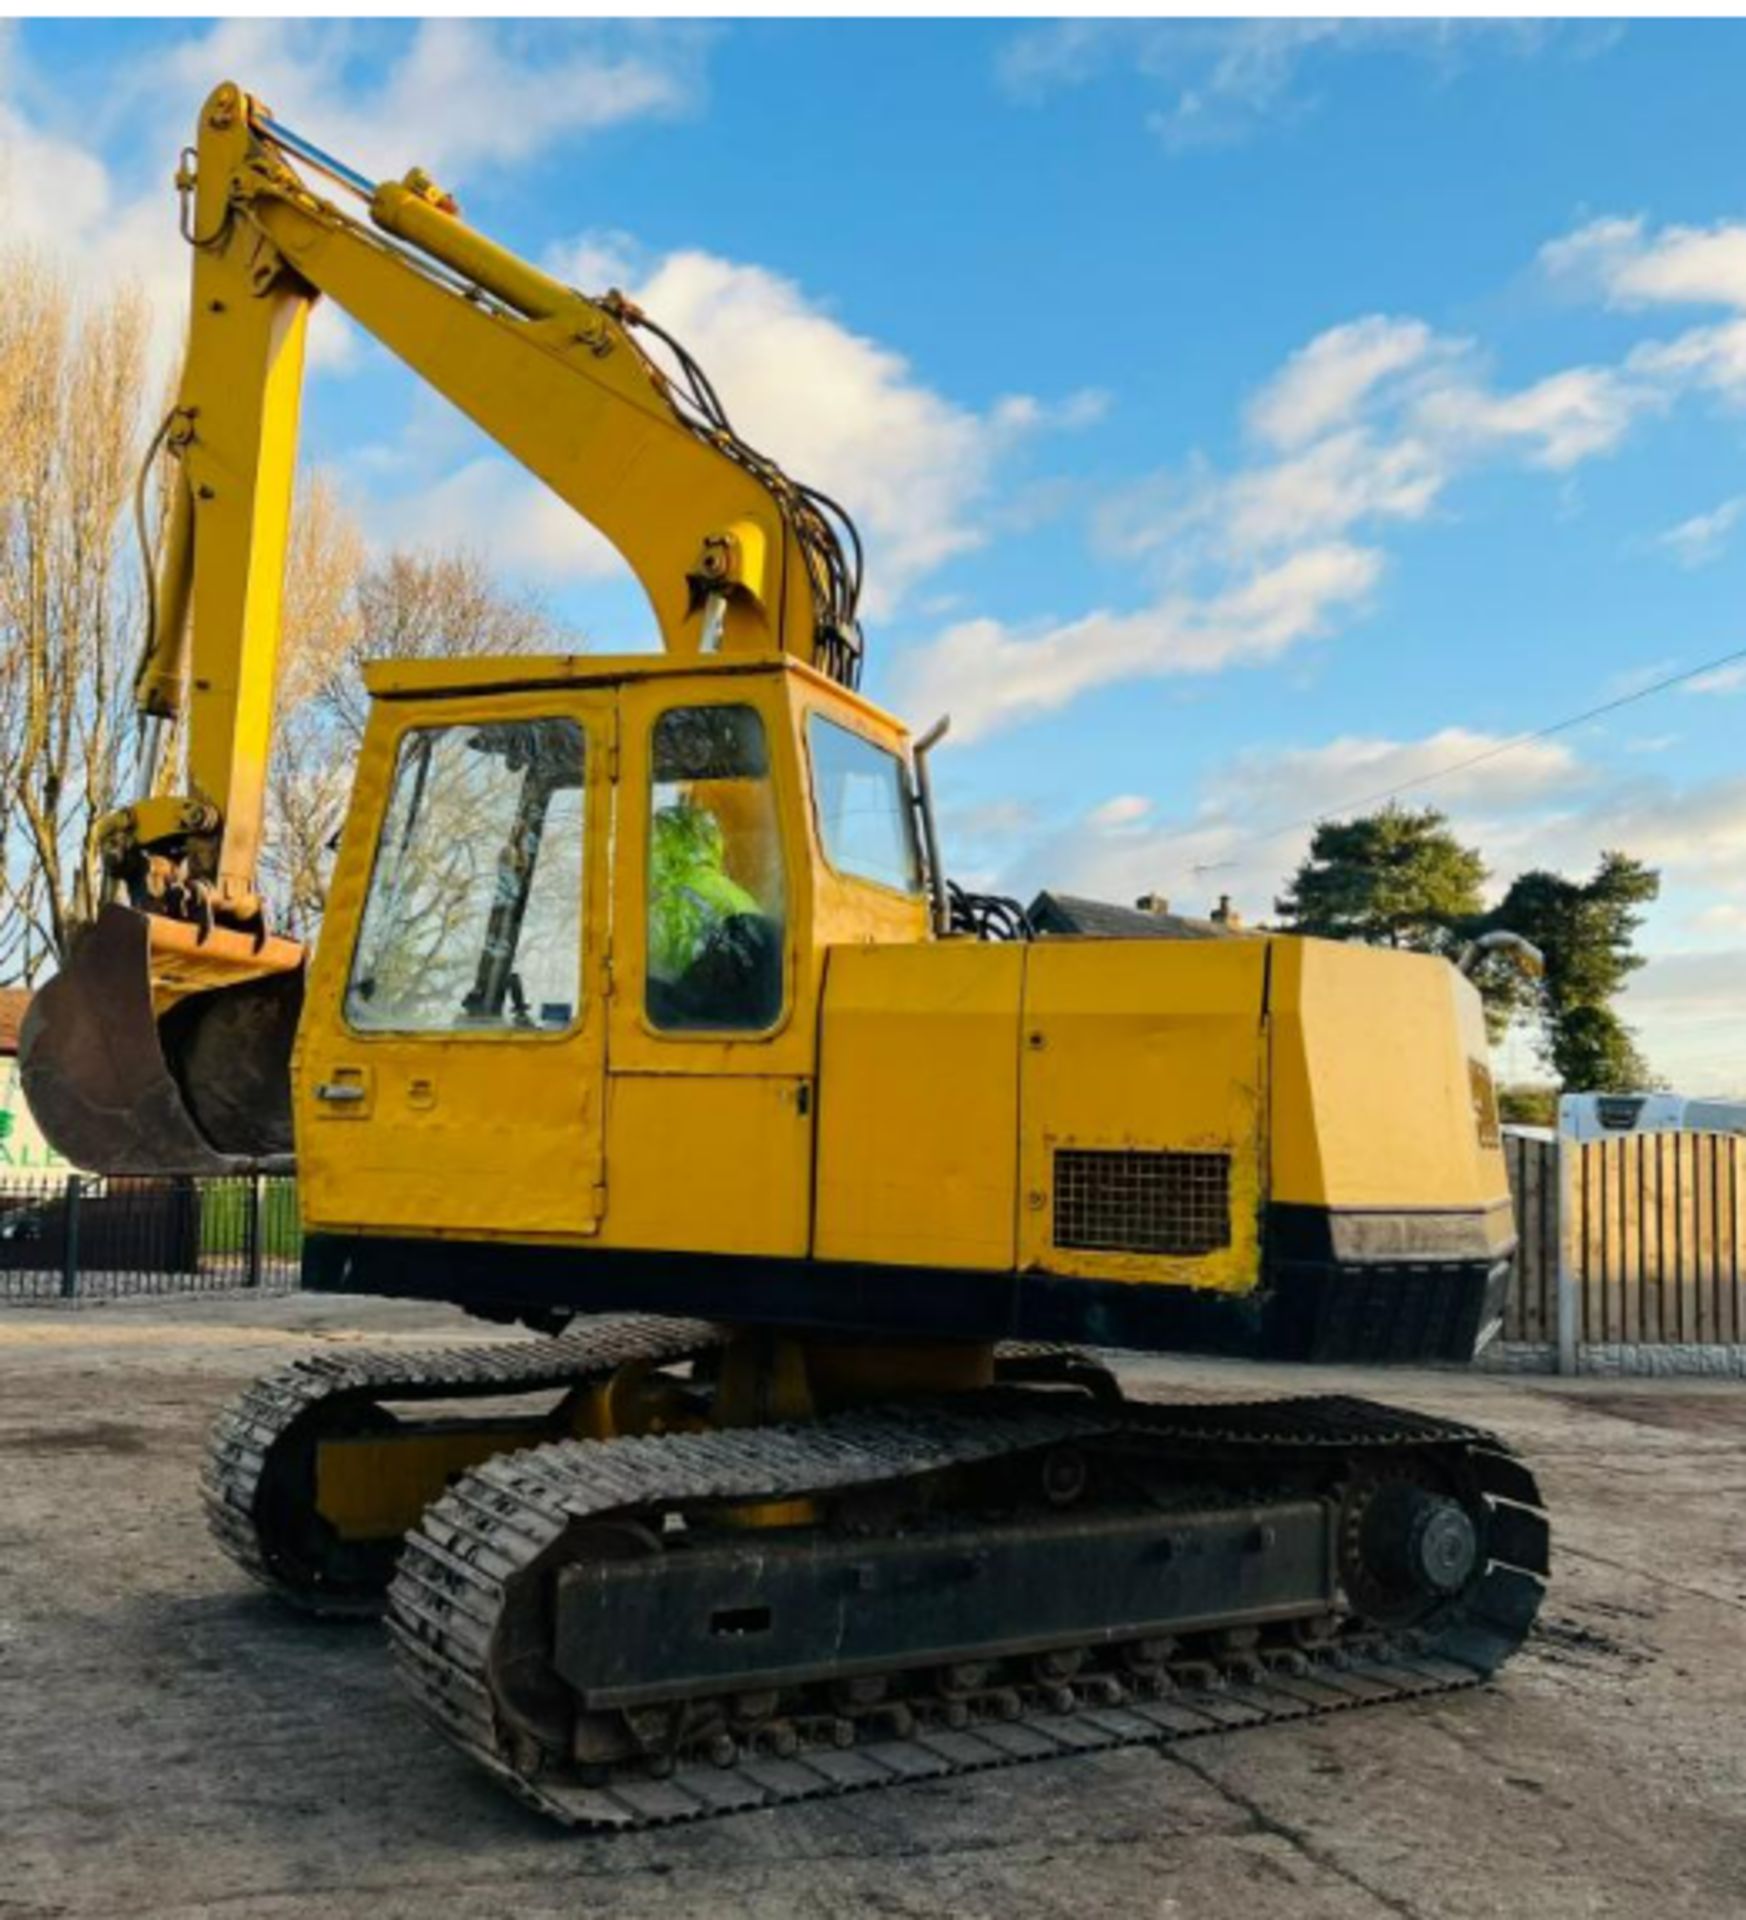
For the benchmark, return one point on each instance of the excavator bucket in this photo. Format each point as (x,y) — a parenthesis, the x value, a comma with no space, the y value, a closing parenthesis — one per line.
(157,1050)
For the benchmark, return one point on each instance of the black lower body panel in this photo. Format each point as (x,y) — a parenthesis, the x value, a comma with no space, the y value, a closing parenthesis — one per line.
(1331,1292)
(813,1607)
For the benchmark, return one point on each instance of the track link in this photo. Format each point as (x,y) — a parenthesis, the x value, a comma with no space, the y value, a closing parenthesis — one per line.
(272,1414)
(453,1587)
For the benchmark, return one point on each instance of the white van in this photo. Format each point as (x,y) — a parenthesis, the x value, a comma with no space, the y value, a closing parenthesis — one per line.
(1597,1116)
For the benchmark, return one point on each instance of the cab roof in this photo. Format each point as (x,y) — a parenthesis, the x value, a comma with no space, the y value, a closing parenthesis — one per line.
(423,678)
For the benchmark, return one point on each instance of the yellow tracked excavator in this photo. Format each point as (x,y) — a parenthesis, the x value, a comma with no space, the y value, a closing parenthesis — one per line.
(643,1013)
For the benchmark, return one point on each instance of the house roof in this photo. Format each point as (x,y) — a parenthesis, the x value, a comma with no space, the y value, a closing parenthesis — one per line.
(1103,920)
(13,1001)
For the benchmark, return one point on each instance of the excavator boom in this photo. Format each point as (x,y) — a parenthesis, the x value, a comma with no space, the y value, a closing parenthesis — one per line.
(133,1057)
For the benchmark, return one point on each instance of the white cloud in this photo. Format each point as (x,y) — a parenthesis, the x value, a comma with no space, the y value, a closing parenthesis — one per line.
(1221,80)
(1024,413)
(459,95)
(841,411)
(30,158)
(489,506)
(1557,422)
(1712,358)
(1364,426)
(1630,266)
(986,675)
(456,94)
(1695,831)
(1320,492)
(1347,775)
(990,819)
(1528,804)
(1252,819)
(1323,384)
(1636,679)
(1691,1016)
(1722,680)
(599,259)
(1121,810)
(1341,482)
(97,241)
(1702,538)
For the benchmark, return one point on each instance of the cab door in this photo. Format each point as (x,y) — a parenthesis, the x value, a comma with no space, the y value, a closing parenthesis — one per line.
(712,1046)
(450,1075)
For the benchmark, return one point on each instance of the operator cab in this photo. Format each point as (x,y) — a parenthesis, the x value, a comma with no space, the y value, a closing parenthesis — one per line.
(583,896)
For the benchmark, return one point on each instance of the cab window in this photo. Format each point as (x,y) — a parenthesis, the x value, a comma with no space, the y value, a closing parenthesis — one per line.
(474,914)
(716,895)
(865,821)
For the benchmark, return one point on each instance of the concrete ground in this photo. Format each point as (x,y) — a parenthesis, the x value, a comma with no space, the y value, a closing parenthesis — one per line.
(172,1744)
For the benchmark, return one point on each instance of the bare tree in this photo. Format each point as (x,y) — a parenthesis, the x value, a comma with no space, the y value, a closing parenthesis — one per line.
(70,422)
(406,604)
(433,606)
(72,596)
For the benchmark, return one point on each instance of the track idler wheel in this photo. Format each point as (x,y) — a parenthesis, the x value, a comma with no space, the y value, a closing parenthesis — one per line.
(1421,1542)
(1409,1549)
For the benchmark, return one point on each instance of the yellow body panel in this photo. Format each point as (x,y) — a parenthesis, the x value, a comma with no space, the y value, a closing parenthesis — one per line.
(1149,1045)
(1379,1059)
(703,1163)
(950,1075)
(919,1106)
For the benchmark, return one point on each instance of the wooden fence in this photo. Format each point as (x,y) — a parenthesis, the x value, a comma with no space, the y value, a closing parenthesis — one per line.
(1655,1246)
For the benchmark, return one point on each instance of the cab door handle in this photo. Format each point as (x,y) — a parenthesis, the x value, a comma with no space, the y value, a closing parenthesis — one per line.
(343,1093)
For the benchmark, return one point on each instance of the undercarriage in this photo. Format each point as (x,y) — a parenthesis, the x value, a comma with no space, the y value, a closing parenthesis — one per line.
(661,1572)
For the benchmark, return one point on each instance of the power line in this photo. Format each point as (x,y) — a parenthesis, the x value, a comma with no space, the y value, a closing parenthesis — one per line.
(1498,747)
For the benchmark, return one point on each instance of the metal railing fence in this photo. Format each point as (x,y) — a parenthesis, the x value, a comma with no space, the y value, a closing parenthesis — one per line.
(74,1237)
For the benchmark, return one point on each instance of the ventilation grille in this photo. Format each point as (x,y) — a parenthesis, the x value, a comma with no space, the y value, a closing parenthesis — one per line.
(1133,1202)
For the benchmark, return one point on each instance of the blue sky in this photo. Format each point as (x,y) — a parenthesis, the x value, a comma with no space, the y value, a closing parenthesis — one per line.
(1244,417)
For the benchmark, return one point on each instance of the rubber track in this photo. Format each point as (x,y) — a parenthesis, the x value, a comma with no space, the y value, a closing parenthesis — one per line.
(454,1573)
(263,1416)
